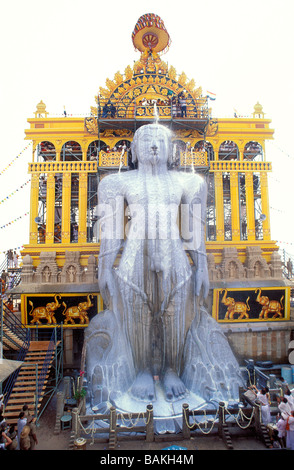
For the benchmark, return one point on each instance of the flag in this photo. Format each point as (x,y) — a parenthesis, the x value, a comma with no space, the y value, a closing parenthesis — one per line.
(211,96)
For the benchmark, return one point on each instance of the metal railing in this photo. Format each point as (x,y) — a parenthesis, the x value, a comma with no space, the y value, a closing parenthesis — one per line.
(20,357)
(118,110)
(42,375)
(13,325)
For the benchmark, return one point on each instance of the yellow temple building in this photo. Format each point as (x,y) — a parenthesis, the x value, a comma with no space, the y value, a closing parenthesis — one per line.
(249,297)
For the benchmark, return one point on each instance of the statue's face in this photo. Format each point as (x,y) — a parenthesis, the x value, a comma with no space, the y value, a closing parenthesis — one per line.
(152,144)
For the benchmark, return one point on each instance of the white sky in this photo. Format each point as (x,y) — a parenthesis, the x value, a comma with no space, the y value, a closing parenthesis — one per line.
(62,51)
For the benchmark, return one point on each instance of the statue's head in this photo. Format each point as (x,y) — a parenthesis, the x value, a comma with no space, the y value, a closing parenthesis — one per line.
(153,143)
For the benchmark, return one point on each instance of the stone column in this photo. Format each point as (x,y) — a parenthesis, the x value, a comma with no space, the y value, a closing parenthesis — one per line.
(68,346)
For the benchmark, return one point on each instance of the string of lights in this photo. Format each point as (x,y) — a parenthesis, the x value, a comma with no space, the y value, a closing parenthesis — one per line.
(15,159)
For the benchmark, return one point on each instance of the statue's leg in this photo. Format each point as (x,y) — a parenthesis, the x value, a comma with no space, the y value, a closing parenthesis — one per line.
(110,366)
(174,329)
(207,349)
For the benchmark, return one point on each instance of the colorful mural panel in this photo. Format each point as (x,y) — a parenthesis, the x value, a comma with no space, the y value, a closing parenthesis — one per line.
(251,304)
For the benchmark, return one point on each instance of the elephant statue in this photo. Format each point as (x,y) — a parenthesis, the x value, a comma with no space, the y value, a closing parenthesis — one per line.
(269,306)
(78,312)
(234,307)
(45,313)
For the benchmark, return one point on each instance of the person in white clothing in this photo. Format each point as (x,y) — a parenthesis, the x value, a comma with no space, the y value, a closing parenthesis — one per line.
(290,431)
(263,398)
(281,427)
(290,399)
(284,406)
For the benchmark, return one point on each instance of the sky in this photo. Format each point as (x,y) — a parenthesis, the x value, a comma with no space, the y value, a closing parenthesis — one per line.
(62,51)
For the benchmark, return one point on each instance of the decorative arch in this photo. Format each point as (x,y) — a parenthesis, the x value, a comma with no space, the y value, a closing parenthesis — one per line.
(46,151)
(202,145)
(71,150)
(93,148)
(228,150)
(127,92)
(253,151)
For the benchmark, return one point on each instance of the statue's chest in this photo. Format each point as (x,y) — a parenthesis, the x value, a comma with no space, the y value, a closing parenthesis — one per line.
(154,190)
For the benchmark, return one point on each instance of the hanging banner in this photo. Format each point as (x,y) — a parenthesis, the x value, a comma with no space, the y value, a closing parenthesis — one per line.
(251,304)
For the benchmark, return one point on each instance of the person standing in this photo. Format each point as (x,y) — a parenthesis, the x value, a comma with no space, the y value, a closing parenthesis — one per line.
(263,398)
(183,104)
(284,406)
(21,422)
(24,442)
(5,441)
(288,395)
(290,431)
(281,427)
(33,432)
(12,434)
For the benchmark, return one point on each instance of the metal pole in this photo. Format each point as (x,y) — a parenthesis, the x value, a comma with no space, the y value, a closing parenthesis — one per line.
(37,391)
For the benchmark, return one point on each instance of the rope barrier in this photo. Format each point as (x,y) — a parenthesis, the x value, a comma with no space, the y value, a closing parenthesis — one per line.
(133,424)
(198,424)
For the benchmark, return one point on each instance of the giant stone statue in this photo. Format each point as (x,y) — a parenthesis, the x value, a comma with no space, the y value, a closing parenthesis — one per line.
(154,279)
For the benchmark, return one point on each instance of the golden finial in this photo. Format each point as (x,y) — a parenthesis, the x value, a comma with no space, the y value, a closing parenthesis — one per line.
(41,110)
(258,111)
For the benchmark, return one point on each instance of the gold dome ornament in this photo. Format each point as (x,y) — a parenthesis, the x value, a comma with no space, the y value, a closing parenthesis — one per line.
(150,34)
(258,111)
(41,110)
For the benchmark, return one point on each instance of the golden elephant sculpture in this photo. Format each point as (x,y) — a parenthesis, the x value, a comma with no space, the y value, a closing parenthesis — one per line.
(45,313)
(77,312)
(269,306)
(239,308)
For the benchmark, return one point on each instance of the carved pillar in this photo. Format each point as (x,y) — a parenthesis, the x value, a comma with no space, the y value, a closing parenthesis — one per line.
(50,204)
(34,208)
(84,150)
(219,205)
(66,198)
(250,205)
(265,205)
(235,211)
(83,186)
(58,145)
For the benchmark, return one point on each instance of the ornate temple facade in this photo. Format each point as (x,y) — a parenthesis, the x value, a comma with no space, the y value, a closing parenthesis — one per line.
(249,295)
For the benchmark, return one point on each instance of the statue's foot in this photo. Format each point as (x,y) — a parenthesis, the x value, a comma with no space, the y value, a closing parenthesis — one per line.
(173,386)
(143,387)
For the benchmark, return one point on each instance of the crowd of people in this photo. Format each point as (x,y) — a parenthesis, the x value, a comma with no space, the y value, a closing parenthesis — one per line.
(283,428)
(23,435)
(178,105)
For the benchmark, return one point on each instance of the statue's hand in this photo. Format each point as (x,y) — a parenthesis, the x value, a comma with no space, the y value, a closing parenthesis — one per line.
(202,280)
(106,285)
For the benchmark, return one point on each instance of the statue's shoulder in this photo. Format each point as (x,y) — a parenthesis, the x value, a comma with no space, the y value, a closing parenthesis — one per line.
(117,181)
(189,180)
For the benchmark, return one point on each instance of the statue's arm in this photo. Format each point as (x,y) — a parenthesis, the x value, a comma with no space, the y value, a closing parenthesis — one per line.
(111,217)
(195,197)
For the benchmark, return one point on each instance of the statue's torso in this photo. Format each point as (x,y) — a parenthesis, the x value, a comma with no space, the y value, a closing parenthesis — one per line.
(153,204)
